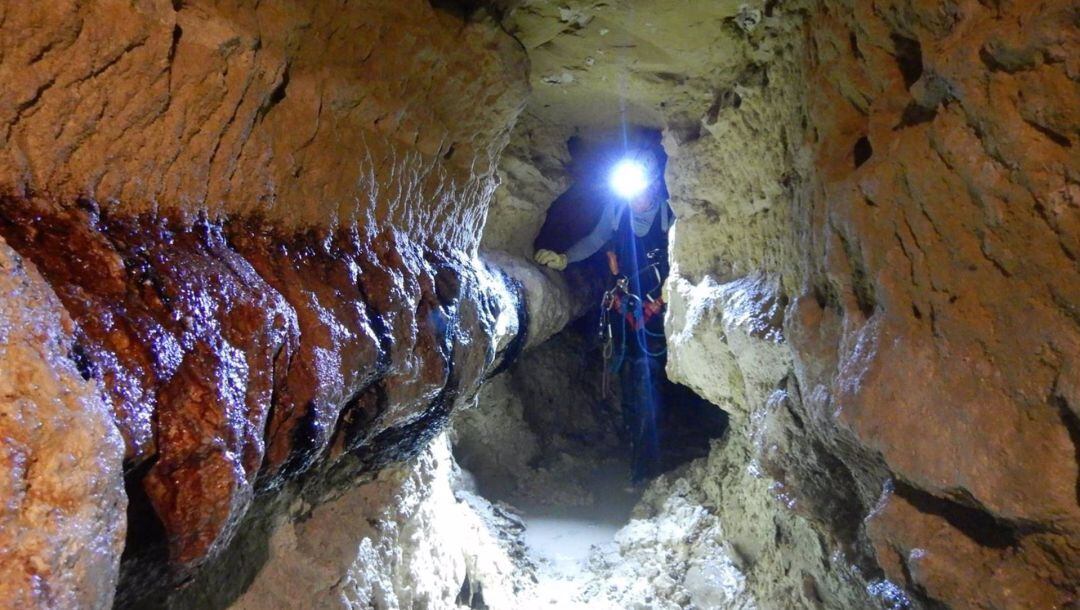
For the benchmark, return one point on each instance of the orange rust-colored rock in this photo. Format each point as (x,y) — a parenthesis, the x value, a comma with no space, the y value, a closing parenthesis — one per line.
(215,335)
(319,279)
(254,213)
(907,173)
(938,344)
(304,113)
(366,345)
(62,516)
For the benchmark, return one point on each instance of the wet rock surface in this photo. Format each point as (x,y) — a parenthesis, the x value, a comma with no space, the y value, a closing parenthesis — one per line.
(243,387)
(261,221)
(250,227)
(62,516)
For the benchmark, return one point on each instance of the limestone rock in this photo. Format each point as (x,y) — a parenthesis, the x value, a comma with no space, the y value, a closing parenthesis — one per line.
(305,114)
(62,521)
(945,160)
(532,174)
(725,340)
(539,429)
(671,555)
(626,62)
(401,541)
(909,158)
(552,298)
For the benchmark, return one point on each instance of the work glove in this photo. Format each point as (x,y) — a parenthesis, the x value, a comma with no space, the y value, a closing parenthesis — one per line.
(551,259)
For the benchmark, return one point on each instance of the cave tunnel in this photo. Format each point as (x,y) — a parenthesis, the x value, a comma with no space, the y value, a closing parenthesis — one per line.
(594,416)
(501,304)
(664,423)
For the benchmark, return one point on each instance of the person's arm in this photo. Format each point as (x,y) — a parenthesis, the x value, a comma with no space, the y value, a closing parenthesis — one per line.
(595,240)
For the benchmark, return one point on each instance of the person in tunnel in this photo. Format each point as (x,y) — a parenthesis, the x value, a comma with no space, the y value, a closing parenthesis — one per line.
(633,225)
(642,210)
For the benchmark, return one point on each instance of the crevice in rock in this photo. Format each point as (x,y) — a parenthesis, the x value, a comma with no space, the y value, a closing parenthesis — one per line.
(244,282)
(862,151)
(914,114)
(472,594)
(981,527)
(909,59)
(1072,423)
(1053,136)
(277,95)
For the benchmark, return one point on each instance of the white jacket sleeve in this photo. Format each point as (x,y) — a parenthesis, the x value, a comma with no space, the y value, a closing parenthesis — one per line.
(601,233)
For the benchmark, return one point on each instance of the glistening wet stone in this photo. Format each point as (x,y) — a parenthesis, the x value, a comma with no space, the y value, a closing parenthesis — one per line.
(229,351)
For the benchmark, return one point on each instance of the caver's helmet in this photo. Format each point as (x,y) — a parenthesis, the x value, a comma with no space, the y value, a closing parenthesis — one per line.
(633,176)
(650,162)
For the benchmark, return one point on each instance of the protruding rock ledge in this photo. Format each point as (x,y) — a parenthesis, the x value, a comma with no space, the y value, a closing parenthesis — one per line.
(236,357)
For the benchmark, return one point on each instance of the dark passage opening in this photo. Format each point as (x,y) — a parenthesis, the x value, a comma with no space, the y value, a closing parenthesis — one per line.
(662,424)
(572,431)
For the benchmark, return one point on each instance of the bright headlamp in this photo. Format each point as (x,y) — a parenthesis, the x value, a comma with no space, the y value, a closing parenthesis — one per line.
(628,179)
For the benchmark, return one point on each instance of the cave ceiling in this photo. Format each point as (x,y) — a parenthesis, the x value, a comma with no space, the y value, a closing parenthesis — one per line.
(648,61)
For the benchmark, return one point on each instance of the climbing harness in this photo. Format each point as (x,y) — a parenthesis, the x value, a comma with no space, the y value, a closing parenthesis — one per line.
(622,308)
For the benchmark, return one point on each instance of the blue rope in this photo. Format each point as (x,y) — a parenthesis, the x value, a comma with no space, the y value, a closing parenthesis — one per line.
(617,362)
(645,349)
(639,314)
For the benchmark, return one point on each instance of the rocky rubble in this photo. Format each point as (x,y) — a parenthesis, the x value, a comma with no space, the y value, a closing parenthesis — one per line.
(413,537)
(672,554)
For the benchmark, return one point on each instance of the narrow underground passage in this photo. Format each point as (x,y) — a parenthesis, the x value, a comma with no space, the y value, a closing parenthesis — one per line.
(280,326)
(569,437)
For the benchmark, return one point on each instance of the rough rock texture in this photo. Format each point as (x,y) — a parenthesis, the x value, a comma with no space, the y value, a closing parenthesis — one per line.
(925,230)
(551,299)
(938,333)
(532,174)
(210,347)
(537,431)
(601,65)
(261,219)
(299,112)
(726,342)
(411,538)
(672,554)
(62,516)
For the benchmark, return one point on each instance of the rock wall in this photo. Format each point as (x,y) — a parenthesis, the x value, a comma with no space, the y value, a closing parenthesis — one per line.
(62,518)
(303,114)
(938,334)
(538,431)
(532,174)
(902,173)
(261,220)
(411,538)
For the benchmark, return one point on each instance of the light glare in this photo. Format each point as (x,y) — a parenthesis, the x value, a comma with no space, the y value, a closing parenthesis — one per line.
(628,179)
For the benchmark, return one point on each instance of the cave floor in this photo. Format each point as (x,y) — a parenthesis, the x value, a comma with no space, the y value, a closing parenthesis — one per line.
(561,539)
(564,540)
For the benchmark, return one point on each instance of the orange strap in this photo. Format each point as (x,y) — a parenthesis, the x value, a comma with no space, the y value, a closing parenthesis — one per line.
(613,262)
